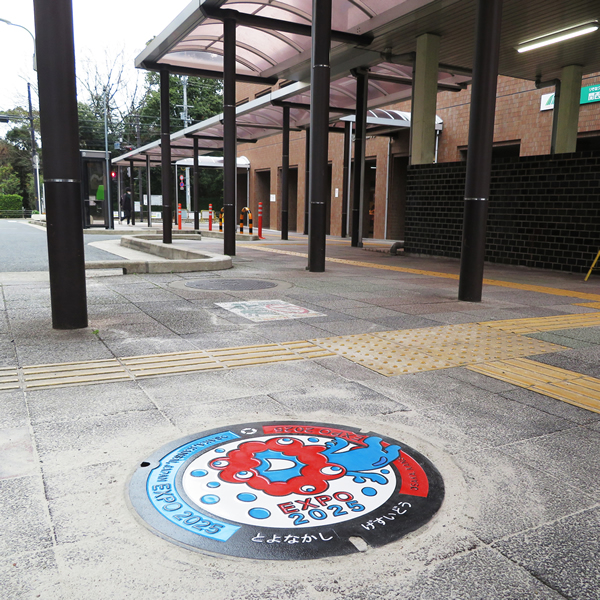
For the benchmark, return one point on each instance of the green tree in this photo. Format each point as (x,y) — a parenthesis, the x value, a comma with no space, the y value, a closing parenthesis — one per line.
(9,182)
(17,153)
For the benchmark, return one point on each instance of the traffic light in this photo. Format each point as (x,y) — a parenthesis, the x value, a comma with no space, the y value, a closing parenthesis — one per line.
(113,175)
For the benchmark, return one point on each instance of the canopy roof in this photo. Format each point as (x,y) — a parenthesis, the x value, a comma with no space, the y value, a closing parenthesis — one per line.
(389,28)
(387,31)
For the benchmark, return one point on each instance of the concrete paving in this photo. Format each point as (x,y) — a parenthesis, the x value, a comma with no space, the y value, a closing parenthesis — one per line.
(521,515)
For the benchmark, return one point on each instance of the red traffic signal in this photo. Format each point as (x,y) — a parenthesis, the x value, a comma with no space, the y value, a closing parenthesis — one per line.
(113,175)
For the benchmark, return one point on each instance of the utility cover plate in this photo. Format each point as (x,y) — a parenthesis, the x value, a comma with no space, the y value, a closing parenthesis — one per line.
(230,284)
(285,490)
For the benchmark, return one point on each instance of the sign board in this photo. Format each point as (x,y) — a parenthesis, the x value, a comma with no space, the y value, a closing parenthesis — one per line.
(273,198)
(589,94)
(260,311)
(285,490)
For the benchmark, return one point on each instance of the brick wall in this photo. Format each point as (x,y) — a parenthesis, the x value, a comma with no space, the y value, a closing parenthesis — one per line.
(544,211)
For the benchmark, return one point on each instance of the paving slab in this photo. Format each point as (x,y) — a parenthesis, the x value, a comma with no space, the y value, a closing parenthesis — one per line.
(521,470)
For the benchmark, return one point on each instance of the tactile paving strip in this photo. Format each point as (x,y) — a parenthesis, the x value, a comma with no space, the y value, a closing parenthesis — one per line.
(74,373)
(100,371)
(430,348)
(546,323)
(9,378)
(561,384)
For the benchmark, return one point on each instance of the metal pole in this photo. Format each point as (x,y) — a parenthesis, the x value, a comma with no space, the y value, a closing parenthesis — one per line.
(141,194)
(285,170)
(165,148)
(229,135)
(132,188)
(362,87)
(479,156)
(34,155)
(62,162)
(149,189)
(345,175)
(196,187)
(319,133)
(108,219)
(306,180)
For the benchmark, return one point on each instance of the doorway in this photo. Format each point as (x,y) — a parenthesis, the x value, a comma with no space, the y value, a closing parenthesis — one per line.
(397,198)
(262,193)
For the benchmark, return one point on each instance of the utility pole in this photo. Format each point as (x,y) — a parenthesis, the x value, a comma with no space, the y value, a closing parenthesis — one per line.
(186,123)
(107,200)
(35,159)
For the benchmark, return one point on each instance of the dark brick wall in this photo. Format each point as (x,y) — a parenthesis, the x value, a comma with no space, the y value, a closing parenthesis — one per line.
(544,212)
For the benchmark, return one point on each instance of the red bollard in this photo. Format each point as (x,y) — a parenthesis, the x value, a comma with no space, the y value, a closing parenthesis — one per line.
(179,216)
(260,235)
(210,217)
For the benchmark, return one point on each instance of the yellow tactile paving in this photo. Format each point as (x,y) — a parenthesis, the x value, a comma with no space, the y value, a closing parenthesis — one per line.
(539,324)
(73,373)
(381,355)
(508,284)
(588,304)
(9,379)
(430,348)
(243,356)
(561,384)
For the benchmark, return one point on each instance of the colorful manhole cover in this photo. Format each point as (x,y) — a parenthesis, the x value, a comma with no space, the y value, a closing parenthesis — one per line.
(285,490)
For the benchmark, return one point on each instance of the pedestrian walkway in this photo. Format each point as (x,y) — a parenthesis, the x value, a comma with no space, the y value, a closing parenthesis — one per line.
(503,396)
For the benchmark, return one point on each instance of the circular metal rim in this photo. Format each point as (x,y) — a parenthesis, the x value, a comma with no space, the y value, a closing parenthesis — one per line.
(340,540)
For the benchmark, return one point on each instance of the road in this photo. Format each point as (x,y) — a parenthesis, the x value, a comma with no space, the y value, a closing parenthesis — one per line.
(23,247)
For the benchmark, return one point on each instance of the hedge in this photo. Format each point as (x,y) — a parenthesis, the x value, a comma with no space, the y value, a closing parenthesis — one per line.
(11,202)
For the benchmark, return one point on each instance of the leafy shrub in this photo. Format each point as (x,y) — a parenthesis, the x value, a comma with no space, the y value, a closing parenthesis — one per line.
(11,202)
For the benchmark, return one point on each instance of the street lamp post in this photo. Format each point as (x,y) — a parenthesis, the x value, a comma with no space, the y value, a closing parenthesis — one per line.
(29,32)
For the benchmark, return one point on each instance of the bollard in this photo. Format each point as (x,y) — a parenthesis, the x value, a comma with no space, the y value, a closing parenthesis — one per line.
(210,217)
(246,210)
(260,235)
(221,219)
(179,216)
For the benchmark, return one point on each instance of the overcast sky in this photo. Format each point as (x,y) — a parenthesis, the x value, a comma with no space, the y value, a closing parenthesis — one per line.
(100,26)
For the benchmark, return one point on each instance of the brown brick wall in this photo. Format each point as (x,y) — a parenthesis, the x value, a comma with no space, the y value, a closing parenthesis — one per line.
(518,119)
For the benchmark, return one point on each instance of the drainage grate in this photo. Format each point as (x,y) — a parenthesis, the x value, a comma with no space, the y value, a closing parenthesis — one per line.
(230,284)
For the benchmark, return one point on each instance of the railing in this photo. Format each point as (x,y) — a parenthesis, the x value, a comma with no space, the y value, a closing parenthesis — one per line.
(15,214)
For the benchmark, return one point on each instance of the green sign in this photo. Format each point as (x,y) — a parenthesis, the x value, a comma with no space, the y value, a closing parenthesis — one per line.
(590,94)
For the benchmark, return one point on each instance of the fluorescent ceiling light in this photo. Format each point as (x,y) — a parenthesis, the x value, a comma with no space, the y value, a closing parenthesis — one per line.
(558,36)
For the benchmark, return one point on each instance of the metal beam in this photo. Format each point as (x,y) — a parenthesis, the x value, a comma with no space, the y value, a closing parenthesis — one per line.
(62,162)
(319,133)
(165,136)
(149,190)
(479,156)
(303,106)
(346,179)
(229,133)
(258,22)
(217,139)
(285,169)
(442,87)
(362,88)
(196,187)
(208,74)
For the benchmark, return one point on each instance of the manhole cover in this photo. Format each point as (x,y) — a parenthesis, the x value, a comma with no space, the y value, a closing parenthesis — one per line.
(230,284)
(284,491)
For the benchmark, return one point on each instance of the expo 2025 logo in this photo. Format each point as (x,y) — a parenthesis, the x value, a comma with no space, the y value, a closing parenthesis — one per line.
(285,490)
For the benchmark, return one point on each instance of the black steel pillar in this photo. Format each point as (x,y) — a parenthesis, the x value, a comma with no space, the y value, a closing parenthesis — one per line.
(62,162)
(306,180)
(132,189)
(165,151)
(285,172)
(319,133)
(149,189)
(362,87)
(196,197)
(479,156)
(229,138)
(346,176)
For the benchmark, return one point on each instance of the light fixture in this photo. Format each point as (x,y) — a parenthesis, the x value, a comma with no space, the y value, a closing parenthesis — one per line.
(558,36)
